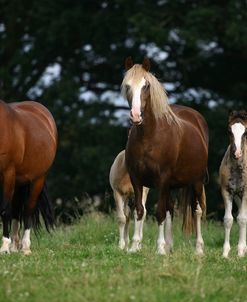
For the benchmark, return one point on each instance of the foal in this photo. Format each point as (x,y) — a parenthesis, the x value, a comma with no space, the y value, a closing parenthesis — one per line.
(233,179)
(123,192)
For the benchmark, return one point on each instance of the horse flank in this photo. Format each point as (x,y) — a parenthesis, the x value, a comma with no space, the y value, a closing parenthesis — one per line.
(158,96)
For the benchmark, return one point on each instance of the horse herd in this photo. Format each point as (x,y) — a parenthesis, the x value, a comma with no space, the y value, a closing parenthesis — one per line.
(167,148)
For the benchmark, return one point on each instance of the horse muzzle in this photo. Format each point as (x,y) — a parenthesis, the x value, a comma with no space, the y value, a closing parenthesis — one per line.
(136,118)
(238,153)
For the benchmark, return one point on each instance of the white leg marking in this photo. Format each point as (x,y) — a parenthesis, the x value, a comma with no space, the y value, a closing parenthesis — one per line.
(5,248)
(228,220)
(242,221)
(121,218)
(126,229)
(138,232)
(168,232)
(26,242)
(15,238)
(199,239)
(161,244)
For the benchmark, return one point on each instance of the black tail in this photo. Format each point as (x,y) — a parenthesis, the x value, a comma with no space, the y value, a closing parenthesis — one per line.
(44,208)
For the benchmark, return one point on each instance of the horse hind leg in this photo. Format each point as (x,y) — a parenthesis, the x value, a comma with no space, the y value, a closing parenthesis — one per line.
(31,203)
(6,208)
(17,205)
(14,247)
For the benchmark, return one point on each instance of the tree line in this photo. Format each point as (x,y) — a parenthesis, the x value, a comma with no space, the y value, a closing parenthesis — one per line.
(69,55)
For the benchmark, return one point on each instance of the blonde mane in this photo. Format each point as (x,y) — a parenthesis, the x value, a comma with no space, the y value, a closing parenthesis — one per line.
(158,97)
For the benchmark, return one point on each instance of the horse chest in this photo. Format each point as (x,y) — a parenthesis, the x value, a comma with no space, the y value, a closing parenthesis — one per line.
(236,180)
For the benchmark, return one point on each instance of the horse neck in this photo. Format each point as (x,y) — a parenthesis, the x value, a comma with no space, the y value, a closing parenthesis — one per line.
(150,123)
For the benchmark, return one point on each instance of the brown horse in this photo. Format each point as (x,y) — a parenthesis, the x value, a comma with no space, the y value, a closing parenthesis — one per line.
(167,148)
(28,145)
(233,179)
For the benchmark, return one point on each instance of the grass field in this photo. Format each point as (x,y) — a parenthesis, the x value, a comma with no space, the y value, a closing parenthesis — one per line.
(82,263)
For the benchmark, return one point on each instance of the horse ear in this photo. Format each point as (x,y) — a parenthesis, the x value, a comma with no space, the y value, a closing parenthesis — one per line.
(146,64)
(128,63)
(244,114)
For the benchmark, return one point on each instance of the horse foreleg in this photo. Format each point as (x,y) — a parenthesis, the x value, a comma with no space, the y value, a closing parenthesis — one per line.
(138,230)
(168,232)
(35,190)
(161,216)
(8,192)
(228,220)
(242,221)
(144,200)
(121,218)
(139,215)
(199,207)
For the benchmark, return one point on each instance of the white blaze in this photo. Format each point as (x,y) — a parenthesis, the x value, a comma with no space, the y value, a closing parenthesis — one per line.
(136,100)
(238,130)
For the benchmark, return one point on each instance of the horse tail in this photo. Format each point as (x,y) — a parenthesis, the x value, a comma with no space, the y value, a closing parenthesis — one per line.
(44,208)
(186,199)
(206,179)
(203,203)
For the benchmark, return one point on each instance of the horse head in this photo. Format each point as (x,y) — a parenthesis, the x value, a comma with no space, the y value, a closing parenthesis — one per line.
(136,88)
(237,128)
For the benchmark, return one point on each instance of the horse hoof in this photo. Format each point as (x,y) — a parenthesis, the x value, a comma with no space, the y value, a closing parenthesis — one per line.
(14,249)
(199,253)
(26,252)
(4,251)
(161,251)
(121,245)
(136,246)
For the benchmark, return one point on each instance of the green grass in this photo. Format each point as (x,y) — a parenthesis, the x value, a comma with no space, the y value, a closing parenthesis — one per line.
(82,263)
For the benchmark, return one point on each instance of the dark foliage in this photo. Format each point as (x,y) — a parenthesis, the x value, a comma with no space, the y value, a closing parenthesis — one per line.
(204,55)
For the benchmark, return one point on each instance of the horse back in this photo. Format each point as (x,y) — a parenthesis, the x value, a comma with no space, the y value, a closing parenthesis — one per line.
(194,118)
(33,114)
(31,139)
(119,177)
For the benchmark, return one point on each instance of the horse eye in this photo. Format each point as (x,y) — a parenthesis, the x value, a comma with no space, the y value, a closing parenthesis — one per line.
(127,87)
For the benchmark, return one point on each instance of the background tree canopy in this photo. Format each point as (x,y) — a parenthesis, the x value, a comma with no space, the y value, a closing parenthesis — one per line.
(69,55)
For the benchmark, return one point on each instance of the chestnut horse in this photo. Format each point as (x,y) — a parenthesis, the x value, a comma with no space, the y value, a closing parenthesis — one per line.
(233,179)
(123,192)
(28,145)
(167,148)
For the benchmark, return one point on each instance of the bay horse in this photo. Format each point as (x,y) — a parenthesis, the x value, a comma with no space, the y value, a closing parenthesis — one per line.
(123,193)
(28,146)
(233,179)
(167,148)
